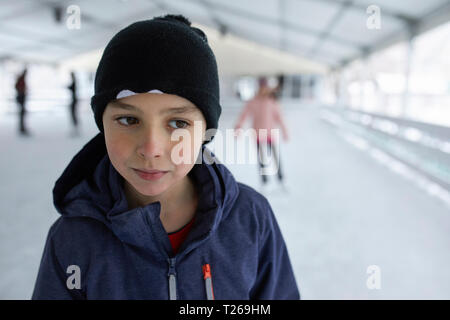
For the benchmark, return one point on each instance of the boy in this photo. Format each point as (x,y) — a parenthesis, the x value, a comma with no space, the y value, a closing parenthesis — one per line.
(136,224)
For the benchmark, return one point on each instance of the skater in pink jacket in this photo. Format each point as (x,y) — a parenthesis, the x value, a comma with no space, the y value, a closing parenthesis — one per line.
(265,112)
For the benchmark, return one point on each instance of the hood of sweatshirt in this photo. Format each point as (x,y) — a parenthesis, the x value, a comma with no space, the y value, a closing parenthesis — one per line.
(90,187)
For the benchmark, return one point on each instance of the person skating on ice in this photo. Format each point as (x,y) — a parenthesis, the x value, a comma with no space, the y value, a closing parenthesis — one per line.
(21,98)
(265,113)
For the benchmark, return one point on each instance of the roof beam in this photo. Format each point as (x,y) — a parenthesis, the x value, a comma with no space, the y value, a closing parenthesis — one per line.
(276,22)
(282,17)
(326,33)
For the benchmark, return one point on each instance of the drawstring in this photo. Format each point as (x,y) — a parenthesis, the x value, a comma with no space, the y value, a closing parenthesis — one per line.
(208,281)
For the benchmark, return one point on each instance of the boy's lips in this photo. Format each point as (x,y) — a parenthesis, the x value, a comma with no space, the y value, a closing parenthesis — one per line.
(150,174)
(150,171)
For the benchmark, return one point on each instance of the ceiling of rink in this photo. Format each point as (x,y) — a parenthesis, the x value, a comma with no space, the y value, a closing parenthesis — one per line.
(248,36)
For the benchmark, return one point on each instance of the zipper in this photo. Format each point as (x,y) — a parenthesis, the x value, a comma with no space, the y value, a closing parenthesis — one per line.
(208,281)
(172,280)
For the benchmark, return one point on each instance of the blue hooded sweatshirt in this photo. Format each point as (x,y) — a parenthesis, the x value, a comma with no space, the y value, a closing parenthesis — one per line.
(101,249)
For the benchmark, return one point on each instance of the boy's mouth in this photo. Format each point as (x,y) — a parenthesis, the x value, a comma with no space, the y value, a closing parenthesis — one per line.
(150,171)
(150,174)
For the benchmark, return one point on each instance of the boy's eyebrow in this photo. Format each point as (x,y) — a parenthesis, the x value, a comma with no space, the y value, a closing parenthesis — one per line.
(183,109)
(121,105)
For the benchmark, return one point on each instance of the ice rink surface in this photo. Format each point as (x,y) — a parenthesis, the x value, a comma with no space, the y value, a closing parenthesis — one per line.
(343,211)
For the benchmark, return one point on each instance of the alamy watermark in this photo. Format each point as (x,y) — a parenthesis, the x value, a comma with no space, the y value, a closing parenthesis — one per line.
(74,280)
(373,22)
(73,20)
(226,142)
(374,279)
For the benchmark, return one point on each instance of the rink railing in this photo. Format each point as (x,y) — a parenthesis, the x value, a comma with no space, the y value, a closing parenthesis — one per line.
(423,146)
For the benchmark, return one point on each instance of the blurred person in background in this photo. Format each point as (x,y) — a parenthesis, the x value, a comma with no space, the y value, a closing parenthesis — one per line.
(265,111)
(21,95)
(277,91)
(73,105)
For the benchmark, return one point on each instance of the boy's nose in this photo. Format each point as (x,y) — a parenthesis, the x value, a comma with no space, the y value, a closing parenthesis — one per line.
(152,144)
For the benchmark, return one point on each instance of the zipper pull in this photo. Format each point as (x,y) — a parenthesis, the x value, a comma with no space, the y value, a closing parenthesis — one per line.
(208,281)
(172,280)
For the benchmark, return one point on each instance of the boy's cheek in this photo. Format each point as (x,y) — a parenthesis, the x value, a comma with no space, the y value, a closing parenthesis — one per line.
(184,154)
(118,151)
(117,141)
(182,170)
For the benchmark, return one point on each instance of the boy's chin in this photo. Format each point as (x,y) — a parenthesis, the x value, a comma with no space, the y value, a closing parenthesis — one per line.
(150,191)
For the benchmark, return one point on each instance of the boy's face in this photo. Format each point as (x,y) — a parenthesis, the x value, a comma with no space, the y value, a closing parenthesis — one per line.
(138,133)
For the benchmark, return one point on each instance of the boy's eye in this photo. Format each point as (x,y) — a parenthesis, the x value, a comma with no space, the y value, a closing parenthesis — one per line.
(127,121)
(178,123)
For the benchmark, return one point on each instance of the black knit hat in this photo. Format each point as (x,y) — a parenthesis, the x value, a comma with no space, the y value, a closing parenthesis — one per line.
(165,53)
